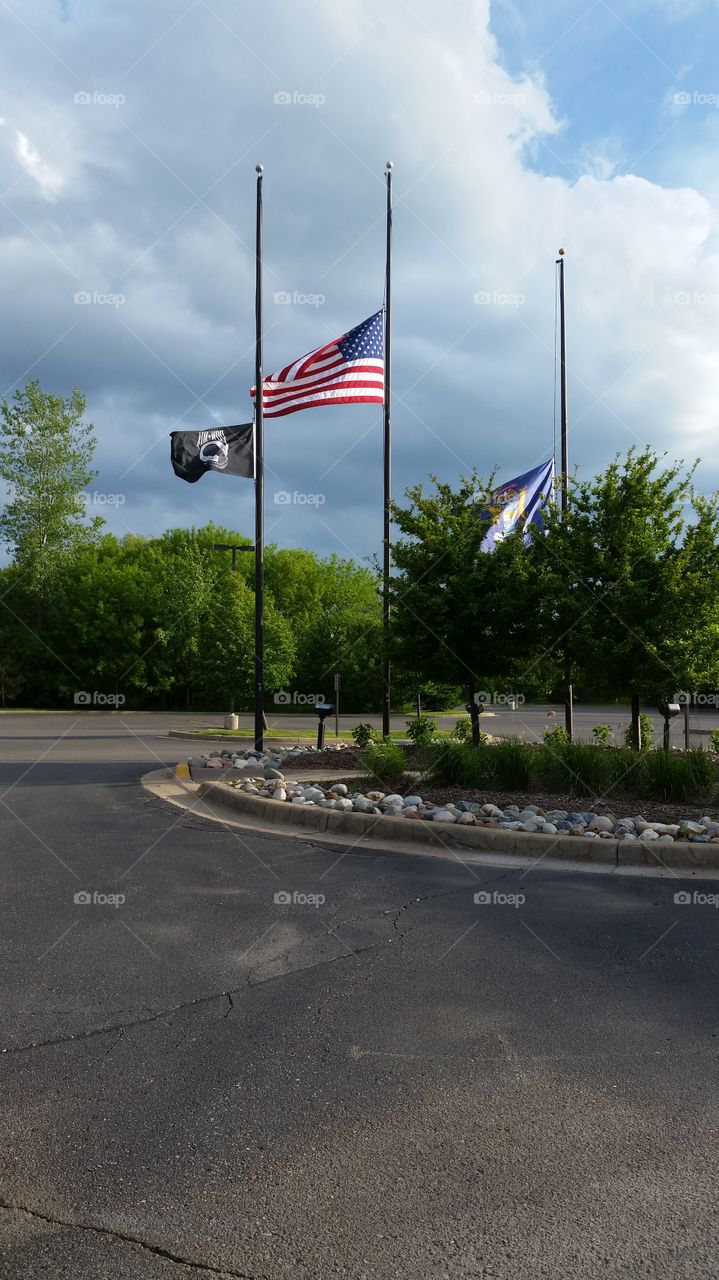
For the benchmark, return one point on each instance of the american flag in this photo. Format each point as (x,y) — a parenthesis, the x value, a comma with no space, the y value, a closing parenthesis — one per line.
(349,370)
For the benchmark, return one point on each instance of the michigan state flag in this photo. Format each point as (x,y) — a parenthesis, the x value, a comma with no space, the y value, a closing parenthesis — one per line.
(519,504)
(227,449)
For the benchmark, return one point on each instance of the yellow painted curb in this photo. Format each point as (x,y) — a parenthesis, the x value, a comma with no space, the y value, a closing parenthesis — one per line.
(182,770)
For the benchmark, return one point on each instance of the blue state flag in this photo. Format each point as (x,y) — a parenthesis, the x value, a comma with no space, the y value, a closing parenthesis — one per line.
(519,504)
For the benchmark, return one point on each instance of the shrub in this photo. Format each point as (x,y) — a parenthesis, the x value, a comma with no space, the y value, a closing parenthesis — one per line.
(679,775)
(603,735)
(462,731)
(647,726)
(555,738)
(714,739)
(363,734)
(579,767)
(421,730)
(385,760)
(458,764)
(513,761)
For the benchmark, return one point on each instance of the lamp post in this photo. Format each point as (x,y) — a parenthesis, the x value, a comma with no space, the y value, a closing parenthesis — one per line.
(234,547)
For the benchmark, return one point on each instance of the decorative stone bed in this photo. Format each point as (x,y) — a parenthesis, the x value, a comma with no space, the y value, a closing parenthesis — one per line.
(263,776)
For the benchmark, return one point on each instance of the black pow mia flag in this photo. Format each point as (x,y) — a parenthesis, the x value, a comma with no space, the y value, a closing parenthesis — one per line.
(227,449)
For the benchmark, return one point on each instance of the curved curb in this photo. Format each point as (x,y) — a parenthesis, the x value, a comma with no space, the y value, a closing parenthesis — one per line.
(617,853)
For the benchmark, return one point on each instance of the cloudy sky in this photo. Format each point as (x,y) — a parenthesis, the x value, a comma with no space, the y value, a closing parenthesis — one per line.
(128,143)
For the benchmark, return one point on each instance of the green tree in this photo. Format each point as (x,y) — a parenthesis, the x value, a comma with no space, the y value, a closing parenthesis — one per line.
(461,615)
(46,449)
(631,578)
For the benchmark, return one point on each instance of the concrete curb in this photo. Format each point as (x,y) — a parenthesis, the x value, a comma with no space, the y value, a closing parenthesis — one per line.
(274,740)
(617,853)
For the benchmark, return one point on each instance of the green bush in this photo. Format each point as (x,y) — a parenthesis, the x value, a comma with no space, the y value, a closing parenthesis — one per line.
(458,764)
(577,767)
(363,734)
(385,761)
(421,730)
(679,775)
(647,726)
(603,735)
(714,739)
(557,737)
(462,731)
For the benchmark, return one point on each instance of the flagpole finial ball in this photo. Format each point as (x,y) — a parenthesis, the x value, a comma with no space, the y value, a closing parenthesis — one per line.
(561,253)
(260,169)
(389,166)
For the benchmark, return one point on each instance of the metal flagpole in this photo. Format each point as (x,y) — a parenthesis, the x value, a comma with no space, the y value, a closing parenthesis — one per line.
(387,532)
(568,693)
(259,484)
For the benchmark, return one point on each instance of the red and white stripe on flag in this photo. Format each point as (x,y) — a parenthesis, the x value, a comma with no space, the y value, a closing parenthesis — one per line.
(349,370)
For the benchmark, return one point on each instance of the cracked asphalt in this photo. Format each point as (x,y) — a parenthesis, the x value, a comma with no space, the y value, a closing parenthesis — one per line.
(397,1082)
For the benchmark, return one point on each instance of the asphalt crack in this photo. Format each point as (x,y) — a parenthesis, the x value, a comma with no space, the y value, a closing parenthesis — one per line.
(197,1002)
(155,1249)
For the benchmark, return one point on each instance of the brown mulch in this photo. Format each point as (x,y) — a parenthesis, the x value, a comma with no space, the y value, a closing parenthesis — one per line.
(617,807)
(347,758)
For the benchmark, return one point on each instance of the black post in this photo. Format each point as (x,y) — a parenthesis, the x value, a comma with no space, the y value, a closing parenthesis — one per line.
(636,724)
(259,485)
(686,724)
(568,692)
(387,532)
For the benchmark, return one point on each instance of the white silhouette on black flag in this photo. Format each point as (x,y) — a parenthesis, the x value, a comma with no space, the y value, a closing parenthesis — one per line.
(227,449)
